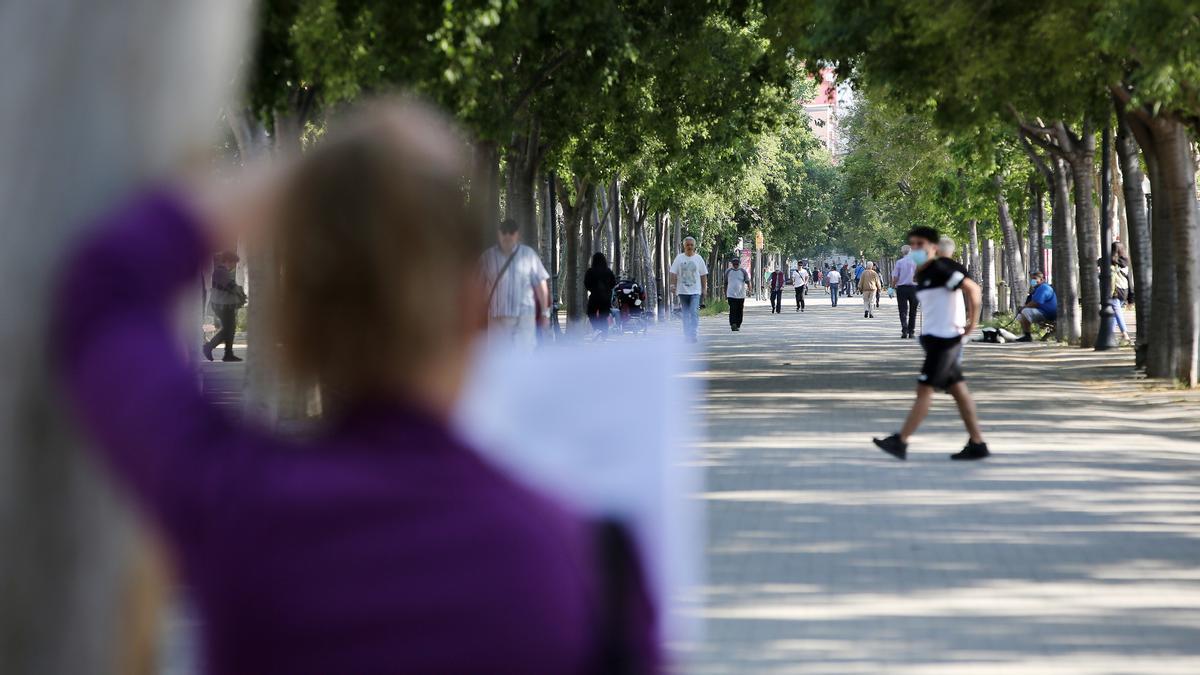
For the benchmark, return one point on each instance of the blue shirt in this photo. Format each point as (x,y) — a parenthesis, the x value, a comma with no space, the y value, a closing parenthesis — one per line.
(1045,300)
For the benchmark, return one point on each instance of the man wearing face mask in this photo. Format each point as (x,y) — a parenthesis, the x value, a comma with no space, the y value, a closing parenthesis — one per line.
(1041,306)
(951,301)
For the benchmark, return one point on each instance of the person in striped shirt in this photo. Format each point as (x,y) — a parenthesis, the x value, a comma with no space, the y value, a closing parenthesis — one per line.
(518,294)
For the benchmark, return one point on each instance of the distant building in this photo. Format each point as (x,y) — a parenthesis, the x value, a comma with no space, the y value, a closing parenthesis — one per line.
(825,110)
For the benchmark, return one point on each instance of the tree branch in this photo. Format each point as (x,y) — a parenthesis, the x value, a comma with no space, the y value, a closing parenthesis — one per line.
(1034,157)
(539,78)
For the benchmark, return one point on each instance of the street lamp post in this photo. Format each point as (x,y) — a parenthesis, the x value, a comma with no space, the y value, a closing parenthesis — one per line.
(1104,339)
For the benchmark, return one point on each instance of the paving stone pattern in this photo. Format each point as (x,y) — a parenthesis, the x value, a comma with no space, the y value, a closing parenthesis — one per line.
(1073,549)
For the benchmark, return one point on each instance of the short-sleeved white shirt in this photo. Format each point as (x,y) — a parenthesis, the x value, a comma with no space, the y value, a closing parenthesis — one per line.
(735,283)
(834,277)
(687,270)
(800,277)
(514,290)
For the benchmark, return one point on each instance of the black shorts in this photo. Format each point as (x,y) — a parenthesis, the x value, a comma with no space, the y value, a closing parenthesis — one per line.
(943,362)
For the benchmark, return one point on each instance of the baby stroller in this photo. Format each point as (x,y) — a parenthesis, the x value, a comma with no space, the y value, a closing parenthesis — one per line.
(629,306)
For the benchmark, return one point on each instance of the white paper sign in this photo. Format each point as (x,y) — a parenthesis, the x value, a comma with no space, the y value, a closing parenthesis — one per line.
(605,428)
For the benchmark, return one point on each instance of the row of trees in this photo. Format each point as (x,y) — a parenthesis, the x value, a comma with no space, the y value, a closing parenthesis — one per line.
(981,117)
(598,124)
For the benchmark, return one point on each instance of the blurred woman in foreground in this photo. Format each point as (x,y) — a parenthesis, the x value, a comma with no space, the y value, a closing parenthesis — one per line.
(382,545)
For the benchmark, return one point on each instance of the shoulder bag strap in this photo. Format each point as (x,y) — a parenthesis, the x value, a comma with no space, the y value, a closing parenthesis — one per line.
(496,283)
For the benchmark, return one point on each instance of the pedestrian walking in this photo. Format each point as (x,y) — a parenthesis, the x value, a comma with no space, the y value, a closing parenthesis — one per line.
(689,277)
(847,277)
(385,542)
(1119,295)
(225,298)
(800,278)
(835,278)
(599,281)
(776,281)
(869,283)
(518,297)
(903,277)
(951,300)
(736,282)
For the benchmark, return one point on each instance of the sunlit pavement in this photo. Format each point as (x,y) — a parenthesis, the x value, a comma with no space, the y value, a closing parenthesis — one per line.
(1074,549)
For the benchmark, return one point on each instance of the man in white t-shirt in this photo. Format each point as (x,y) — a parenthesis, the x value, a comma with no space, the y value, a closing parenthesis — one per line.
(689,277)
(736,282)
(835,279)
(950,300)
(800,279)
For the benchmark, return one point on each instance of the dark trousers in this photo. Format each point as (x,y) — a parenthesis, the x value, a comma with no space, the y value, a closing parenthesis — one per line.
(227,319)
(736,305)
(800,291)
(906,300)
(776,301)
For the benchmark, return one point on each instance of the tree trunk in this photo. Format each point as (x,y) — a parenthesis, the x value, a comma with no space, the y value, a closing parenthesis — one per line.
(1014,266)
(1163,354)
(485,184)
(618,262)
(1138,242)
(522,159)
(266,397)
(645,270)
(987,279)
(1087,231)
(575,219)
(94,106)
(1037,227)
(1178,190)
(660,267)
(1066,280)
(974,264)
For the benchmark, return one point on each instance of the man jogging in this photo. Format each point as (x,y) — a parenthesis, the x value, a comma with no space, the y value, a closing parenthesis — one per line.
(943,288)
(800,282)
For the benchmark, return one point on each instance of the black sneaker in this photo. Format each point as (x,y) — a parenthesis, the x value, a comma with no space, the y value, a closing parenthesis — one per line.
(972,451)
(893,446)
(866,314)
(230,358)
(207,351)
(1024,338)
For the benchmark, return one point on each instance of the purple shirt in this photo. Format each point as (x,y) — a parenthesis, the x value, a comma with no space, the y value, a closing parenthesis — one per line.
(384,546)
(903,272)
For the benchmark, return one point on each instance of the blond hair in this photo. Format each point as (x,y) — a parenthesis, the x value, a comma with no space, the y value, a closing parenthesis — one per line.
(377,247)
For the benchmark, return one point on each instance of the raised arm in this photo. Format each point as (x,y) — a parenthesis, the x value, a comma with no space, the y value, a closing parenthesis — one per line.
(119,362)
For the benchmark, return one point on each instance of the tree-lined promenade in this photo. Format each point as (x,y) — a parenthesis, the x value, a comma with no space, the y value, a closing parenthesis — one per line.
(1071,550)
(611,126)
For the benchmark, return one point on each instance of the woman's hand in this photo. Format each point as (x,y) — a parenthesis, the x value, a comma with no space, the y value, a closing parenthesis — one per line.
(240,208)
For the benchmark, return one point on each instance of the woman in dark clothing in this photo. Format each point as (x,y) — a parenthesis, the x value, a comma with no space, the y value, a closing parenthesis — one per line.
(599,282)
(224,298)
(383,543)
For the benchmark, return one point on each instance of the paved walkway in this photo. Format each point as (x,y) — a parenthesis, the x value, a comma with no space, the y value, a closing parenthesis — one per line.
(1074,549)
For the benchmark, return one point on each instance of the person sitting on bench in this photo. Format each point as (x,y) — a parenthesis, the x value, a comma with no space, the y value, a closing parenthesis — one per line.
(1041,307)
